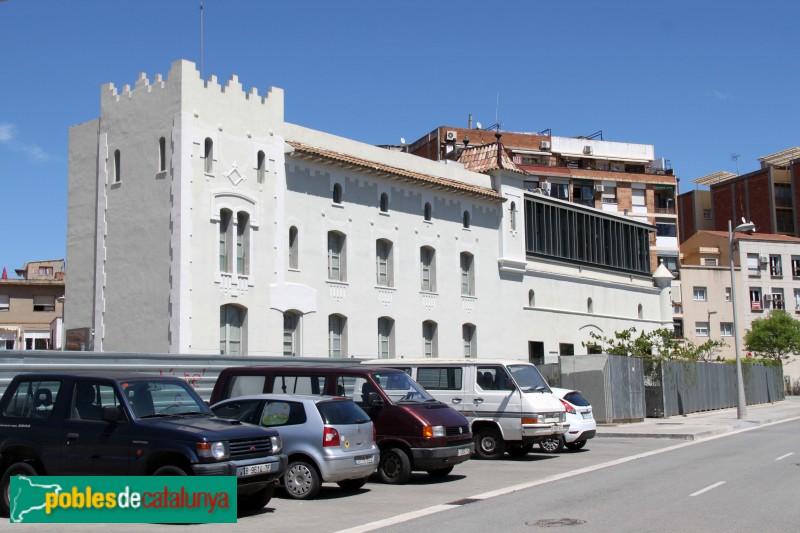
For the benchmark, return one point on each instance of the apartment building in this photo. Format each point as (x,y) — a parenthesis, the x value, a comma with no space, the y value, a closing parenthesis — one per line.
(221,228)
(31,307)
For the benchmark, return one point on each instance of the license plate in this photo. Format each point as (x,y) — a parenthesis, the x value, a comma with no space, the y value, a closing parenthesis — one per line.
(463,451)
(252,470)
(587,415)
(365,459)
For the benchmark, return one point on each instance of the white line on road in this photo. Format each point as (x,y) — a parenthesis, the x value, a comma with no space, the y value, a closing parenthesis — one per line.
(784,456)
(710,487)
(507,490)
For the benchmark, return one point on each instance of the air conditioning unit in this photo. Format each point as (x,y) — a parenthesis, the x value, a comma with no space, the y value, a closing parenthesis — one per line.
(767,297)
(546,188)
(587,150)
(764,259)
(599,187)
(451,136)
(544,145)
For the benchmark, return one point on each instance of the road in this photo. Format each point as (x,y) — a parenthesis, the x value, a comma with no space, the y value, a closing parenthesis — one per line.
(741,481)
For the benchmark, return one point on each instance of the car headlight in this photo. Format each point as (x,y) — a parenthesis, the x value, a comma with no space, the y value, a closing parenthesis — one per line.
(433,431)
(277,445)
(213,450)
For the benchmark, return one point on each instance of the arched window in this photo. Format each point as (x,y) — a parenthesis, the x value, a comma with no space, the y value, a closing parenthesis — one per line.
(337,335)
(162,154)
(467,274)
(243,243)
(589,306)
(429,340)
(469,337)
(384,203)
(466,219)
(531,298)
(261,166)
(293,248)
(208,154)
(640,311)
(225,216)
(117,169)
(232,329)
(427,211)
(291,333)
(383,262)
(513,216)
(337,193)
(385,338)
(427,261)
(337,270)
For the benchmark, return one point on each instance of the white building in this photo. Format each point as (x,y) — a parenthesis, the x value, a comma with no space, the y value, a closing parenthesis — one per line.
(200,222)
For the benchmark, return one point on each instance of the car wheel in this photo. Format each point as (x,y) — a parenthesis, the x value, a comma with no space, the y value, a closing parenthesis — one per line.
(352,484)
(301,480)
(577,445)
(489,443)
(256,500)
(440,472)
(16,469)
(519,449)
(169,470)
(552,444)
(394,467)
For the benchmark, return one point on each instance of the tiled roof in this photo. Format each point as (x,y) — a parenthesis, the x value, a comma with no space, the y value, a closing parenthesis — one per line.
(313,152)
(755,236)
(484,158)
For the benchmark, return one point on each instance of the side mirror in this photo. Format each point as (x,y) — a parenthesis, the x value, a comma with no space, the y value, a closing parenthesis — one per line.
(112,414)
(373,400)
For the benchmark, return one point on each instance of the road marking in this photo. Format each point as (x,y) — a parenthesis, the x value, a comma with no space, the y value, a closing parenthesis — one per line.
(514,488)
(784,456)
(710,487)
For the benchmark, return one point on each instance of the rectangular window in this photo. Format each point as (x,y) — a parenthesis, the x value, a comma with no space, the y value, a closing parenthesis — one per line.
(726,329)
(701,329)
(796,266)
(289,384)
(440,378)
(335,247)
(290,327)
(797,299)
(385,327)
(382,252)
(699,294)
(706,214)
(753,268)
(727,294)
(775,268)
(566,348)
(44,303)
(335,335)
(426,259)
(429,339)
(242,244)
(710,261)
(5,302)
(677,327)
(665,229)
(755,299)
(777,299)
(637,197)
(609,194)
(468,337)
(559,190)
(467,275)
(224,234)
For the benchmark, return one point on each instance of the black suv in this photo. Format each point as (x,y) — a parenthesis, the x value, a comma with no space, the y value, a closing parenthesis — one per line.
(79,424)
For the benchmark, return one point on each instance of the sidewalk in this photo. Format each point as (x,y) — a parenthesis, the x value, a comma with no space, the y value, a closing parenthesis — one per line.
(700,425)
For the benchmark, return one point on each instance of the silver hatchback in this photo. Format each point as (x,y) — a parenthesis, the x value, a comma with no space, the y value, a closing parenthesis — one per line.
(327,439)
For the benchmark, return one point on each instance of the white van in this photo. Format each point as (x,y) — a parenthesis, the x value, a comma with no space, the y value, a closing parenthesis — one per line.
(507,402)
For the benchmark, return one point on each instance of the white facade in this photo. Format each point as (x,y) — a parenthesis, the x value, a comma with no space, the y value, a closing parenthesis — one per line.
(320,245)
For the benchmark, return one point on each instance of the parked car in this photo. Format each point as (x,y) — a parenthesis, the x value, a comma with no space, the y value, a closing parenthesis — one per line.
(327,439)
(507,402)
(414,431)
(582,425)
(128,424)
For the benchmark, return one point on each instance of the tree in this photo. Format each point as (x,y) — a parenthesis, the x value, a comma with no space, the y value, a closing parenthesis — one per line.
(658,344)
(774,337)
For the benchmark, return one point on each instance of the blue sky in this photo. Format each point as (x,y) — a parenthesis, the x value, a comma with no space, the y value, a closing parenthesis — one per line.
(700,80)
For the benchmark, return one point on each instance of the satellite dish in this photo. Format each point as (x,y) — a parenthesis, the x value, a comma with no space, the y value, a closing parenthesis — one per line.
(479,125)
(402,140)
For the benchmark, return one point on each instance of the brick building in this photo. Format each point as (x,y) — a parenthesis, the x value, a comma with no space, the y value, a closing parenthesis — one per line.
(31,307)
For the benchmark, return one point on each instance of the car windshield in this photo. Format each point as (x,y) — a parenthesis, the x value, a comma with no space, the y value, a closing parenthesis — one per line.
(402,389)
(528,378)
(150,399)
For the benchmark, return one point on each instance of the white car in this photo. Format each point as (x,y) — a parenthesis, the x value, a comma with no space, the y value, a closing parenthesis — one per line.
(582,426)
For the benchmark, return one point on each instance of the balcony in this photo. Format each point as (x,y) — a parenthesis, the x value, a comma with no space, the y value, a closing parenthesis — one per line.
(665,211)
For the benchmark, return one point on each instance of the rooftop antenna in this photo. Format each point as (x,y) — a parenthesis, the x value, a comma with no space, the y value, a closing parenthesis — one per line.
(201,39)
(735,157)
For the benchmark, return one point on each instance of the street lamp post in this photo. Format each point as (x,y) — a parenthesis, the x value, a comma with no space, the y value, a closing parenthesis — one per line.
(741,404)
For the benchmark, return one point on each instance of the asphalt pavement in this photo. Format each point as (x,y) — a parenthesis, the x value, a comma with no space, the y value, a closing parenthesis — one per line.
(696,426)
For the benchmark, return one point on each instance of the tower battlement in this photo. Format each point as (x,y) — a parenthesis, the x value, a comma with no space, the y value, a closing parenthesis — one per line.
(183,74)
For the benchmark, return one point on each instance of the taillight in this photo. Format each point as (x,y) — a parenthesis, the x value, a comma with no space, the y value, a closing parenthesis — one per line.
(330,437)
(568,407)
